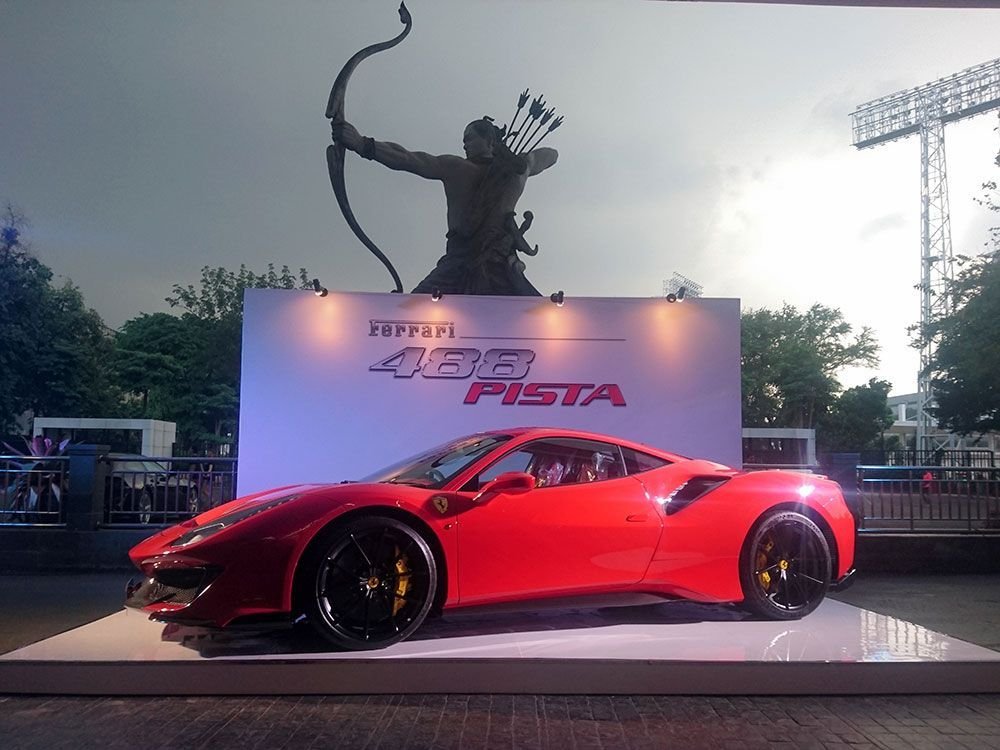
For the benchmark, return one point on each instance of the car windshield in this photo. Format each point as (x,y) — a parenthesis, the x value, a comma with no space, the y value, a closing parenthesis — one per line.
(433,468)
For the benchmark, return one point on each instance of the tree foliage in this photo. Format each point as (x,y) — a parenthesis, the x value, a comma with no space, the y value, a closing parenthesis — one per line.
(186,368)
(965,367)
(790,361)
(54,351)
(856,419)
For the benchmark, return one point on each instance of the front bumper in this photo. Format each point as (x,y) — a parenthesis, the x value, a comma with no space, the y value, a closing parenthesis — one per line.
(168,591)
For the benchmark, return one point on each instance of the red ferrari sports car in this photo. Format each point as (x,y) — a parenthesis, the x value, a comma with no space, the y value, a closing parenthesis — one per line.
(500,517)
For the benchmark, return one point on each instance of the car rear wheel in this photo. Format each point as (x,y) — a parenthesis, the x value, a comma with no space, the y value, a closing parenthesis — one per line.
(785,567)
(371,583)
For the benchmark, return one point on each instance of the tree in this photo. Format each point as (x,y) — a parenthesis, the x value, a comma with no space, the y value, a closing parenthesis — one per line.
(856,419)
(149,361)
(72,375)
(53,349)
(965,367)
(23,286)
(789,363)
(186,368)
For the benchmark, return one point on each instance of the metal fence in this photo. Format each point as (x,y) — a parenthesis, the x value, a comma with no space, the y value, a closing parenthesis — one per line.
(129,490)
(929,499)
(972,457)
(137,491)
(141,490)
(31,490)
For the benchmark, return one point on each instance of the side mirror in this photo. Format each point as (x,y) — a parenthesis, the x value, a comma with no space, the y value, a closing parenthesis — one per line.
(510,483)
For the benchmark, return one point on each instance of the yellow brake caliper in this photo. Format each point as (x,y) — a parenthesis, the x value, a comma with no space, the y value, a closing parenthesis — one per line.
(764,577)
(402,582)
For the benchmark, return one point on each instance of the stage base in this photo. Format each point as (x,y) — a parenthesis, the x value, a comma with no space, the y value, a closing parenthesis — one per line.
(667,648)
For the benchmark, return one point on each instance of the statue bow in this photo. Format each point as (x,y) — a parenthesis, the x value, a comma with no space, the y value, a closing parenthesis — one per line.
(335,152)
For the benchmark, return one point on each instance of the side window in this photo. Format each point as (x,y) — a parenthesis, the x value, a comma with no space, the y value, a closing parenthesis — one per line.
(516,461)
(558,461)
(636,462)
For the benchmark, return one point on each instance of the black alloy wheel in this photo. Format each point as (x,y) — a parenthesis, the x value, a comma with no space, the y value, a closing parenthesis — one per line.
(372,583)
(785,567)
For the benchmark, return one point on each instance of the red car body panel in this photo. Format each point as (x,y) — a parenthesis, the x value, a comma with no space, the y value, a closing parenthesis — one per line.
(603,537)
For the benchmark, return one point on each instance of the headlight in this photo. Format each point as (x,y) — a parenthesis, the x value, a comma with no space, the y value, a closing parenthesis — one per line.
(200,533)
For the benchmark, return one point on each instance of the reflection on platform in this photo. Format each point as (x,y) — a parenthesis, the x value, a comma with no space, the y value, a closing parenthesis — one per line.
(885,638)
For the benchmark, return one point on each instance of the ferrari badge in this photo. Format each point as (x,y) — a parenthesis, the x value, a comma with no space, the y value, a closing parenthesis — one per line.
(441,503)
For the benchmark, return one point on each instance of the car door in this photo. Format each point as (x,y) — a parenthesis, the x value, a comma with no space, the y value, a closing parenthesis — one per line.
(586,527)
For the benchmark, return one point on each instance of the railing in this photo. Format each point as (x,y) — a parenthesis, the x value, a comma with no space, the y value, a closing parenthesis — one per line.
(158,491)
(31,490)
(127,490)
(140,491)
(980,458)
(929,499)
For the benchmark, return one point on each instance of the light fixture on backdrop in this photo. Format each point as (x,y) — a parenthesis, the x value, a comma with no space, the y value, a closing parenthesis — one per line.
(678,295)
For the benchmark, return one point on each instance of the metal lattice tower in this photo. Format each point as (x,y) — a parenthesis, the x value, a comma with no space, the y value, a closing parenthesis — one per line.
(925,110)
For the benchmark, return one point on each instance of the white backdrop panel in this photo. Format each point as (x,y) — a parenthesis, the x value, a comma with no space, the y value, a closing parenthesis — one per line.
(313,409)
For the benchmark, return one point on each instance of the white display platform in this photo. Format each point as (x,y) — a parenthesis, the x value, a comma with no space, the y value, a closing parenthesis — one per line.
(666,648)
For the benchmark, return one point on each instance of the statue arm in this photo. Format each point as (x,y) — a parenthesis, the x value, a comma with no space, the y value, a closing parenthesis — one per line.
(420,163)
(392,155)
(541,159)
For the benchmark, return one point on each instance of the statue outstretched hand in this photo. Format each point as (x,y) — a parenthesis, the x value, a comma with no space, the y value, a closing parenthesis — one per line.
(346,135)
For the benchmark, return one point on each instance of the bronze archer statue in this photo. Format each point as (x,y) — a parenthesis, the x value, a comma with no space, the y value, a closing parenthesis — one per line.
(481,189)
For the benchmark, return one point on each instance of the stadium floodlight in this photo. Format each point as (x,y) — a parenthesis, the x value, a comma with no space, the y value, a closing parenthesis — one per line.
(925,110)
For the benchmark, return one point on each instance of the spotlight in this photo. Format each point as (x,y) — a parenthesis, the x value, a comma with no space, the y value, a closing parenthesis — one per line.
(678,295)
(681,292)
(671,297)
(557,298)
(436,295)
(319,290)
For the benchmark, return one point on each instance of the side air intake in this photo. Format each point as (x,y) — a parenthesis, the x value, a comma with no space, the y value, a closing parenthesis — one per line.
(691,490)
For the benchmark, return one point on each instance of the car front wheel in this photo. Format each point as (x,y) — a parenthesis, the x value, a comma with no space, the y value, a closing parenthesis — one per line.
(785,567)
(371,583)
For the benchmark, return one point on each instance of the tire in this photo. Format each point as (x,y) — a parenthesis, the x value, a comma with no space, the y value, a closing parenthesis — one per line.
(368,584)
(785,566)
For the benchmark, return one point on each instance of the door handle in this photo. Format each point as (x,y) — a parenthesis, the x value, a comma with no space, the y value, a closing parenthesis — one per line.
(636,518)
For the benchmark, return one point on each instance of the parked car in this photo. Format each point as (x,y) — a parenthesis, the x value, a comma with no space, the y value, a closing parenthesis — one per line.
(141,490)
(499,517)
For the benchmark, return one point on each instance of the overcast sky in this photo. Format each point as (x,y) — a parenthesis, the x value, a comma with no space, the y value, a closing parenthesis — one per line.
(146,139)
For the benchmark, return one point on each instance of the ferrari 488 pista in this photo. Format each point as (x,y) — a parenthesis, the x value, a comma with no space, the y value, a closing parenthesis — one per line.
(511,516)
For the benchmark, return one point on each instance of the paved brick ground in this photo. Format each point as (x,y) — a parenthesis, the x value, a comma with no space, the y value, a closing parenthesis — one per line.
(965,606)
(502,721)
